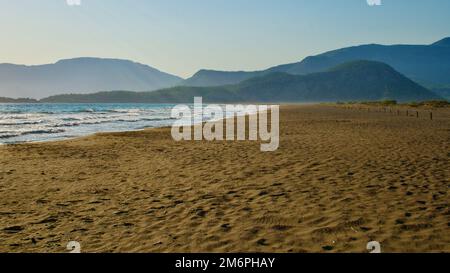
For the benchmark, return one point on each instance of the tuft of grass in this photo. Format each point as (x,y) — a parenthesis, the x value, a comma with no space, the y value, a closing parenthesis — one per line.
(436,103)
(413,104)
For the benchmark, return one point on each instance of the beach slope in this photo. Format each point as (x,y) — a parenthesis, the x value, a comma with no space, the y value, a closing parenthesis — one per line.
(341,178)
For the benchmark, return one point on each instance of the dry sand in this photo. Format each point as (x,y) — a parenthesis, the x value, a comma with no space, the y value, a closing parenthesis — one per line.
(340,179)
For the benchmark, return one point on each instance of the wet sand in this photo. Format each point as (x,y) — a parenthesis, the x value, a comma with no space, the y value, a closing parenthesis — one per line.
(341,178)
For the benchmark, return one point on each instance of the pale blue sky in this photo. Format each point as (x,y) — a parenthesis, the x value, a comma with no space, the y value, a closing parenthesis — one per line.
(182,36)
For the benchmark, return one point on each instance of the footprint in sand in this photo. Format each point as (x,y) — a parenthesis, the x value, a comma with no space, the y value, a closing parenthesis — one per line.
(226,227)
(262,242)
(13,229)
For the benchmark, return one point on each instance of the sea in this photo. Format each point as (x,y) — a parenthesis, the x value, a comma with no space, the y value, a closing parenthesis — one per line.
(46,122)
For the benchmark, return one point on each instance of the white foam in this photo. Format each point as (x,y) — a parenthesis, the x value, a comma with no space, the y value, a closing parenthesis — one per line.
(23,126)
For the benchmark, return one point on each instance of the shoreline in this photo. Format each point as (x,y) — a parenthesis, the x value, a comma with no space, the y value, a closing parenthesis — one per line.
(354,106)
(112,132)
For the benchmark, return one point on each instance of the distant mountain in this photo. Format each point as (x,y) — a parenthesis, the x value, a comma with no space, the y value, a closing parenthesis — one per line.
(443,42)
(353,81)
(443,92)
(81,75)
(216,78)
(19,100)
(425,64)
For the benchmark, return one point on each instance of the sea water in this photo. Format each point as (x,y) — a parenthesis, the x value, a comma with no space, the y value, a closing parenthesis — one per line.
(44,122)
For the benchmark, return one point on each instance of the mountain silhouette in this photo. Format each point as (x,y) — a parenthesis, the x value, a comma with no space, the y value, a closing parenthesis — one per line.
(353,81)
(80,75)
(428,65)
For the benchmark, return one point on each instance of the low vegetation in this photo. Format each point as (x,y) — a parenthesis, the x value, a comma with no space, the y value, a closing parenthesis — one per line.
(432,103)
(385,103)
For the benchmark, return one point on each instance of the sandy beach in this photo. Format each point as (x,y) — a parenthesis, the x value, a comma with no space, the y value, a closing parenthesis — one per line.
(341,178)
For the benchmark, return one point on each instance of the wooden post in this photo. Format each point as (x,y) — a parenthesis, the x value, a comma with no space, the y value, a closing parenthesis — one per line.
(417,114)
(407,113)
(431,115)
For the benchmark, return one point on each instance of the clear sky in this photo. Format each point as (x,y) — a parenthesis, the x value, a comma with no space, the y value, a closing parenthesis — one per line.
(183,36)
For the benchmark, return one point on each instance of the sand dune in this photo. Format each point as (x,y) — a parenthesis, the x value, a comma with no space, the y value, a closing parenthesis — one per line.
(341,178)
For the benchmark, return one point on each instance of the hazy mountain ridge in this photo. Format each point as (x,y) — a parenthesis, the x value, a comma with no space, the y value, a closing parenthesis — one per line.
(206,77)
(425,64)
(443,42)
(444,92)
(359,80)
(18,100)
(81,75)
(428,65)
